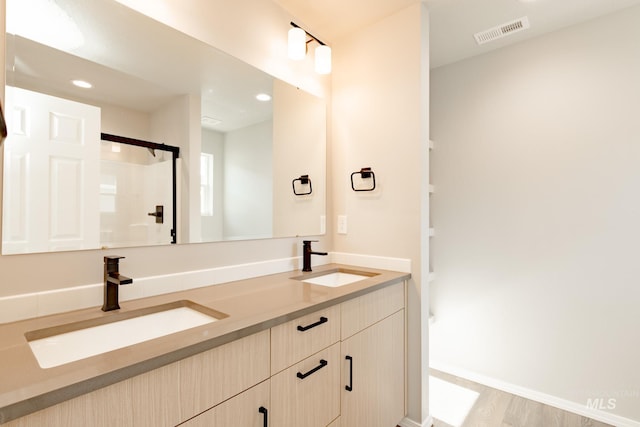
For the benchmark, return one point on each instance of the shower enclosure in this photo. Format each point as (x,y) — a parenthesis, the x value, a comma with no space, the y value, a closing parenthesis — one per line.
(138,199)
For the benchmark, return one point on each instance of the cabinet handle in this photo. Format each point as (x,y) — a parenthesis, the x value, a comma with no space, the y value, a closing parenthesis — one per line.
(264,412)
(322,364)
(313,325)
(350,386)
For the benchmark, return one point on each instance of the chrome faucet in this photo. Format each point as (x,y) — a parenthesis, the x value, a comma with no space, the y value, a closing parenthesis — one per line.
(306,254)
(112,281)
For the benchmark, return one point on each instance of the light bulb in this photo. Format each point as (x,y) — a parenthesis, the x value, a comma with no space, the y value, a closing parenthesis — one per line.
(323,59)
(297,43)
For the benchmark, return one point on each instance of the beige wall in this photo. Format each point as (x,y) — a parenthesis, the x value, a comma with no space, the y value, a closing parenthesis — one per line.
(380,120)
(299,148)
(536,213)
(123,121)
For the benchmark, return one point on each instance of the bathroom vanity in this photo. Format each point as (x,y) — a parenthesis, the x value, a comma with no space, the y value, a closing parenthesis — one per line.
(283,352)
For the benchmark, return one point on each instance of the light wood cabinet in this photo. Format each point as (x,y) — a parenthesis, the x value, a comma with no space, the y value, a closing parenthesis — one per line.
(294,375)
(308,393)
(150,399)
(165,396)
(373,359)
(364,311)
(304,336)
(248,409)
(213,376)
(373,362)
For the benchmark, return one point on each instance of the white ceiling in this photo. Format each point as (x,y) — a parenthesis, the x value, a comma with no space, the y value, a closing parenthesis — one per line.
(141,66)
(452,22)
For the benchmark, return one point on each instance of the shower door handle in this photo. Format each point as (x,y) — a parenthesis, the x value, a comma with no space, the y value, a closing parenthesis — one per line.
(159,214)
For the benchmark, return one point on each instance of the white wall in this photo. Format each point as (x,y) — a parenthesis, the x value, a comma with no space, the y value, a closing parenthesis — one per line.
(248,182)
(212,226)
(536,212)
(380,120)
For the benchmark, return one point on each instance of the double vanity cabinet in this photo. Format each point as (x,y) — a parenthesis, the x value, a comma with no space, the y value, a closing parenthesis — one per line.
(340,365)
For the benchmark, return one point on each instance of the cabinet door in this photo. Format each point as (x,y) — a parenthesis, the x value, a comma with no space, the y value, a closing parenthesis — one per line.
(248,409)
(373,369)
(314,399)
(213,376)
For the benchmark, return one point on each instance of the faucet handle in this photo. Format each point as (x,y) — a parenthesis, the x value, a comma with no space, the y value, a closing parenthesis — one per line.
(112,263)
(308,242)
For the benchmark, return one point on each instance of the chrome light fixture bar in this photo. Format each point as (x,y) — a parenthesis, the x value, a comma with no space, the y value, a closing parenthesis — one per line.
(297,47)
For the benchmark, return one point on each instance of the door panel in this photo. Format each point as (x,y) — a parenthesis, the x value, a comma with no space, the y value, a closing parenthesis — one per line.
(52,164)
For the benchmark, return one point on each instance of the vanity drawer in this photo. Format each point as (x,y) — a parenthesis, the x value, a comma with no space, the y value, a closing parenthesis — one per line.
(211,377)
(308,393)
(304,336)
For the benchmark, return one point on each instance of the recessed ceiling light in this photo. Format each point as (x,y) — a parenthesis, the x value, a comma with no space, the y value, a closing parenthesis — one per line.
(83,84)
(263,97)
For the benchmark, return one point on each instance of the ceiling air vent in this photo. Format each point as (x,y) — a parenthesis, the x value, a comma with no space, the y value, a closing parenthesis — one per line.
(210,122)
(502,30)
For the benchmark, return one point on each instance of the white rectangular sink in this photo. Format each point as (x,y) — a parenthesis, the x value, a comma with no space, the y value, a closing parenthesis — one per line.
(337,278)
(84,339)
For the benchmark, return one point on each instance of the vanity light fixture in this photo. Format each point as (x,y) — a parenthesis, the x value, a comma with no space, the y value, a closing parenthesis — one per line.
(323,59)
(298,42)
(264,97)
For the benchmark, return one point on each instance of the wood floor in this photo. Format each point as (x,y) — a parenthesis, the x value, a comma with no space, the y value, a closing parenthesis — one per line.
(495,408)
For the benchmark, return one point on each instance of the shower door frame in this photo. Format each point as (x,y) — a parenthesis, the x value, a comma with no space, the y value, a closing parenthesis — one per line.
(175,152)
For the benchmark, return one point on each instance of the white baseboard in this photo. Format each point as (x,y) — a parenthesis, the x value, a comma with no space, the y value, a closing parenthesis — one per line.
(407,422)
(547,399)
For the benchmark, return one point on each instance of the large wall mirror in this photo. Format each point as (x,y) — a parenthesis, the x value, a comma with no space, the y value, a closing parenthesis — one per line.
(244,138)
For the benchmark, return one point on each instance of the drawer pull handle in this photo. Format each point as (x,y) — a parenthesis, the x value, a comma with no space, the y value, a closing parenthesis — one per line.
(313,325)
(350,386)
(264,412)
(322,364)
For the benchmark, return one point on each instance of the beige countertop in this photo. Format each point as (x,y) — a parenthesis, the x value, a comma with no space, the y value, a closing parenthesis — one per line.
(251,305)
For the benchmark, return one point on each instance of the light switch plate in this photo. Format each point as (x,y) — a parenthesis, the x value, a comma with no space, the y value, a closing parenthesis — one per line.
(342,224)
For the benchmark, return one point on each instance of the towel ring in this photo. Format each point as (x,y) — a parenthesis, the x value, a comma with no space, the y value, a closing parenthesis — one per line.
(365,173)
(303,180)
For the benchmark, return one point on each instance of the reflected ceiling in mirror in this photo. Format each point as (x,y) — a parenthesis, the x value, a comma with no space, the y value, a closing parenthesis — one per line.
(154,83)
